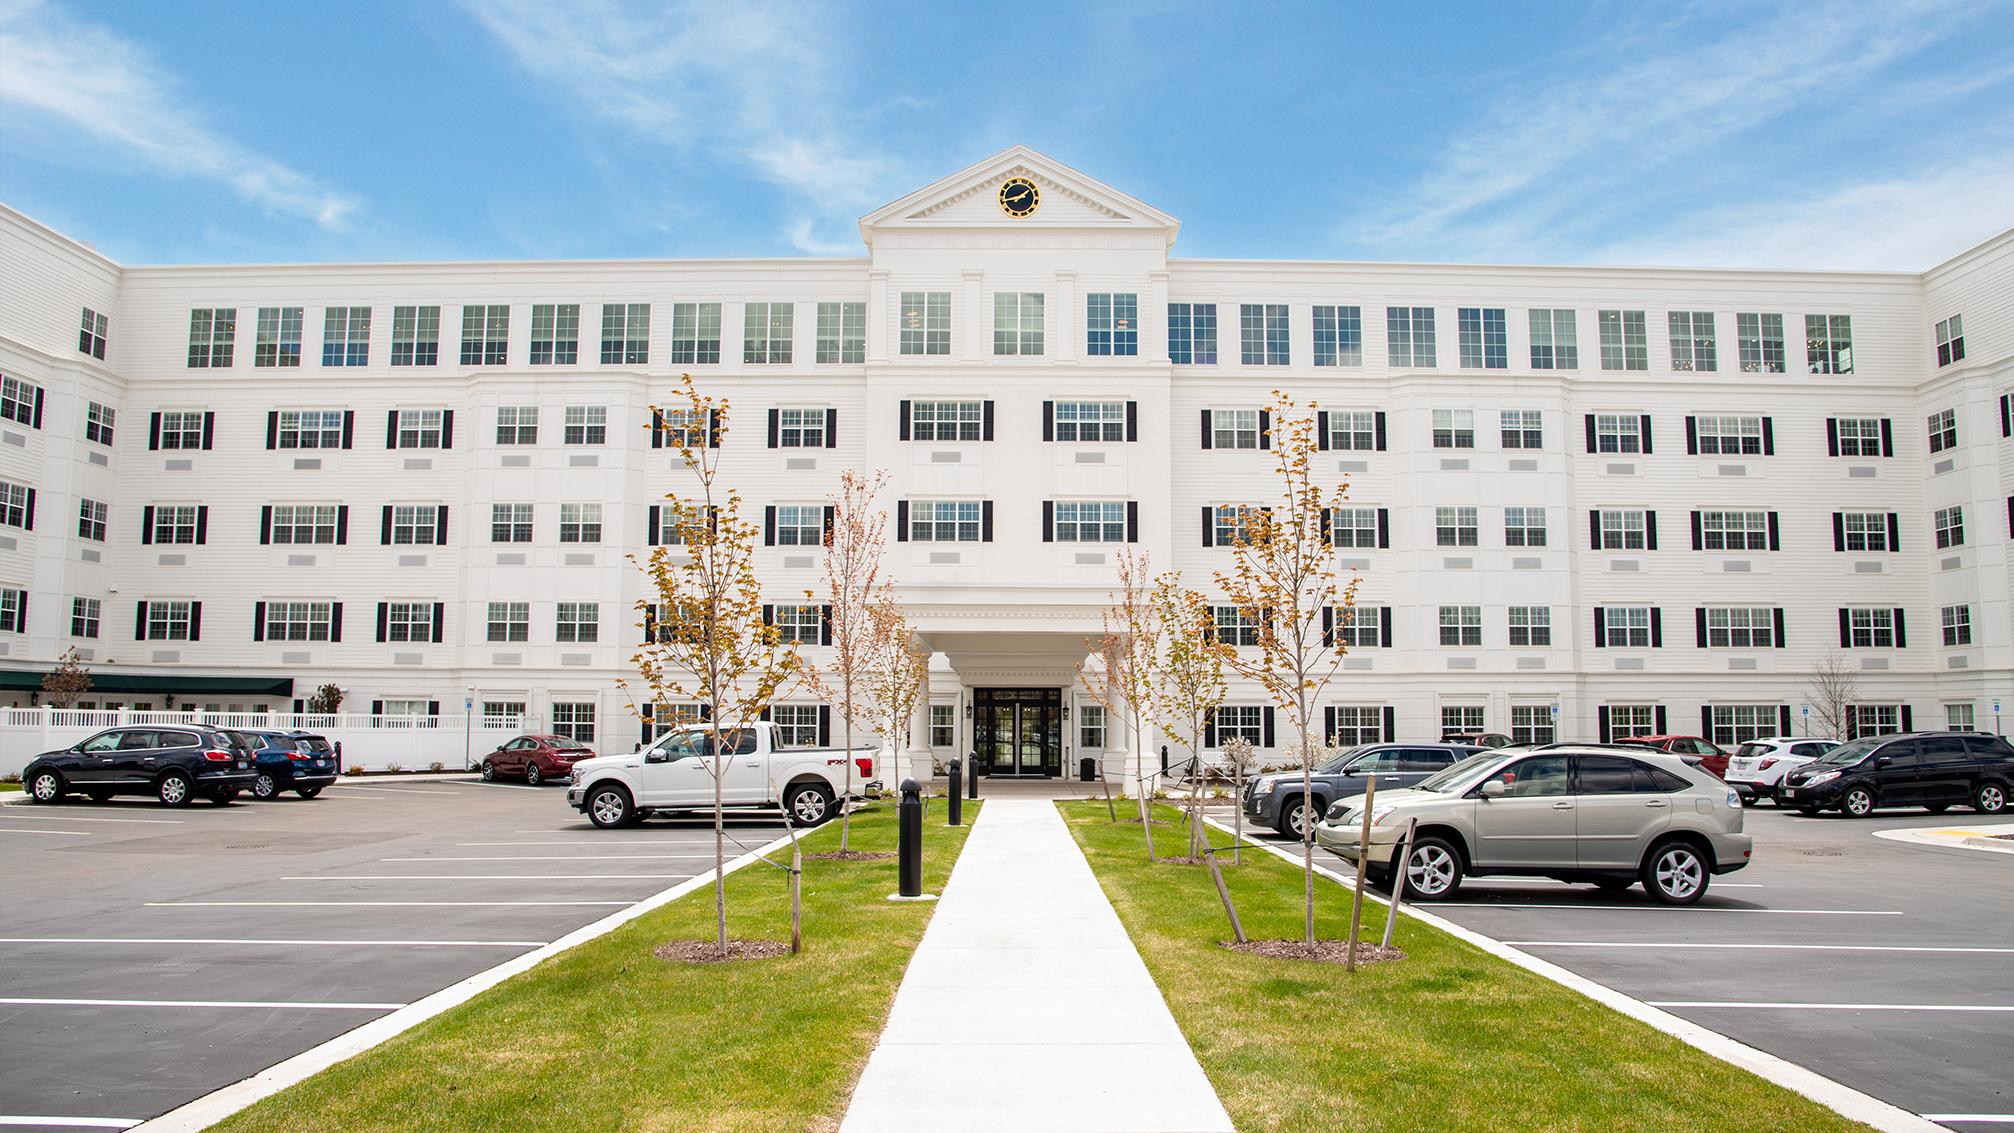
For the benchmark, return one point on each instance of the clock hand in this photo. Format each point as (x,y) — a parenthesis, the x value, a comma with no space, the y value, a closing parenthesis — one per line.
(1018,196)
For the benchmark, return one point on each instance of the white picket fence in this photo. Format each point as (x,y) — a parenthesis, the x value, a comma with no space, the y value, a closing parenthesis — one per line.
(374,743)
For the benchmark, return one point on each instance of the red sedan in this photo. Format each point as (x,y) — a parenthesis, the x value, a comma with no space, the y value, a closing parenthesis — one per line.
(535,758)
(1711,759)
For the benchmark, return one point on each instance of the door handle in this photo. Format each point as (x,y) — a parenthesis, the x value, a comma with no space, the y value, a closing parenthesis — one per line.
(1656,803)
(1562,806)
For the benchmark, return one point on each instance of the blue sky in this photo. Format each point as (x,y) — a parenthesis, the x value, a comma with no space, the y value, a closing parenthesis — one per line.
(1873,135)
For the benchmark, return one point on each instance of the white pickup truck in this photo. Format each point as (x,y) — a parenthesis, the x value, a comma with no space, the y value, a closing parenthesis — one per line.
(676,772)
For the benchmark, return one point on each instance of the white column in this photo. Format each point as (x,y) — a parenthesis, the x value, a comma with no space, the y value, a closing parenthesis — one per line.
(1154,320)
(877,316)
(916,752)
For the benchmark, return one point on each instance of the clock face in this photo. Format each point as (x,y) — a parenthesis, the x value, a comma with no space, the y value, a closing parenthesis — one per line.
(1019,196)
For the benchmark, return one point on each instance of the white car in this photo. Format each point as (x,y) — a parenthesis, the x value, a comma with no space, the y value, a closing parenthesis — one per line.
(677,772)
(1758,766)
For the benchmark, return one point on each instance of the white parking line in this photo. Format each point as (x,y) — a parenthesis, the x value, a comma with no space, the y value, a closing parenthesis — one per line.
(1775,947)
(195,1003)
(1971,1118)
(1703,1003)
(515,787)
(71,1122)
(72,833)
(373,904)
(562,858)
(46,816)
(1667,909)
(490,877)
(594,842)
(203,940)
(395,790)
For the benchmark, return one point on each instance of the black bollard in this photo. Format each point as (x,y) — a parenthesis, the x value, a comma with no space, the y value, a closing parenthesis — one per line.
(1164,759)
(956,817)
(909,839)
(972,772)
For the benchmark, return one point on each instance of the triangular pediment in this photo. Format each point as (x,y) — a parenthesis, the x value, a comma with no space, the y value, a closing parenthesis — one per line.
(970,199)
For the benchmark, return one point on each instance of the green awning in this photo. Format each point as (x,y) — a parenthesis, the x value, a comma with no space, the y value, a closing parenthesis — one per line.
(16,680)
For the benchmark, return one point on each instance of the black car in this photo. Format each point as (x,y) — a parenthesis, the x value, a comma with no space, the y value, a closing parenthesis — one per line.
(1933,770)
(172,762)
(1275,800)
(289,761)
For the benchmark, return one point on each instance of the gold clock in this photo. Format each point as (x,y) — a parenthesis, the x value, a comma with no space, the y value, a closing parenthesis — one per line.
(1019,196)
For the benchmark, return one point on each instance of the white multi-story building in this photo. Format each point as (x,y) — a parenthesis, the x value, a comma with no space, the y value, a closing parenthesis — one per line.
(1583,501)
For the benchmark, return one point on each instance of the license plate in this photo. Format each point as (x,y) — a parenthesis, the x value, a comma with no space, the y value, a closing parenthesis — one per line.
(1789,791)
(241,765)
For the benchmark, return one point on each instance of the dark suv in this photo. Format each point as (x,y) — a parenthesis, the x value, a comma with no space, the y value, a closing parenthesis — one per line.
(1933,770)
(172,762)
(1275,800)
(289,761)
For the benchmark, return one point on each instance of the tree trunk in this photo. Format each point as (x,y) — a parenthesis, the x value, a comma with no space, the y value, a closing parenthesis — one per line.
(1307,835)
(846,709)
(720,854)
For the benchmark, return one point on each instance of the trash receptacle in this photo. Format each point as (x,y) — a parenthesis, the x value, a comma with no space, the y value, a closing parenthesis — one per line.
(1087,769)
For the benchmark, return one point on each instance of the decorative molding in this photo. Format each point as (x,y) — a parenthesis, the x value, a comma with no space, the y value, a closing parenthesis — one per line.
(1048,187)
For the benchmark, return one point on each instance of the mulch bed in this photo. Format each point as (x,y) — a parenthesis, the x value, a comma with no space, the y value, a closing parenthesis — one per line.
(849,856)
(1324,951)
(1179,861)
(708,951)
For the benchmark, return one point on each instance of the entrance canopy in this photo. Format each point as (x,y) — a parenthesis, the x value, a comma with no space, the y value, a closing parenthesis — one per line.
(1010,657)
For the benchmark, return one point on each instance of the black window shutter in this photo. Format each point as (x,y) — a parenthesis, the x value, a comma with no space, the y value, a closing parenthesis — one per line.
(831,513)
(985,521)
(764,714)
(433,707)
(440,620)
(202,524)
(1657,627)
(1692,436)
(1601,722)
(2007,415)
(39,392)
(391,428)
(1838,531)
(1832,436)
(1769,436)
(1329,638)
(1600,628)
(1901,629)
(441,525)
(1591,446)
(1650,530)
(902,521)
(825,725)
(1659,722)
(832,428)
(1384,529)
(1706,722)
(1322,443)
(1132,521)
(1391,732)
(1385,629)
(1643,424)
(1776,620)
(1210,731)
(209,429)
(258,621)
(657,428)
(384,525)
(1048,521)
(377,708)
(266,523)
(1132,421)
(824,625)
(1908,719)
(713,428)
(1206,429)
(1894,532)
(335,621)
(1887,437)
(1594,530)
(905,420)
(1328,527)
(1698,540)
(1329,724)
(1209,525)
(649,625)
(768,614)
(1265,428)
(153,430)
(986,421)
(1783,718)
(272,428)
(1775,533)
(147,525)
(775,427)
(650,532)
(342,525)
(768,526)
(1845,628)
(1266,722)
(28,518)
(140,621)
(1048,421)
(1699,626)
(1378,426)
(447,428)
(349,426)
(195,621)
(384,620)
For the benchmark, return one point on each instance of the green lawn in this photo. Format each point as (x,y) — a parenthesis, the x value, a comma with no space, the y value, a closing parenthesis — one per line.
(1450,1038)
(609,1037)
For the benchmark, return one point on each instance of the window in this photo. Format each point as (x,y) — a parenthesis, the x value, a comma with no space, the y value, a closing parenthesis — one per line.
(585,425)
(510,523)
(944,724)
(485,334)
(410,621)
(1524,527)
(1740,627)
(625,334)
(1241,721)
(1957,625)
(1112,324)
(1409,336)
(574,720)
(14,506)
(1692,342)
(416,336)
(1618,432)
(1531,724)
(85,614)
(1463,719)
(842,333)
(1234,626)
(170,621)
(577,622)
(1358,627)
(580,523)
(298,621)
(1017,323)
(1461,625)
(1828,343)
(1626,720)
(1943,430)
(800,428)
(1083,522)
(695,333)
(1454,428)
(926,323)
(1949,523)
(18,398)
(1192,334)
(98,421)
(946,420)
(1351,725)
(212,331)
(683,428)
(555,334)
(509,621)
(1091,726)
(944,521)
(1627,627)
(517,424)
(1958,717)
(1760,340)
(1865,530)
(1734,530)
(1736,724)
(1859,436)
(1522,429)
(13,611)
(1231,524)
(1353,430)
(1484,344)
(1234,428)
(277,340)
(176,523)
(1624,342)
(1339,336)
(1951,346)
(799,525)
(1353,527)
(1554,340)
(308,428)
(1729,436)
(421,428)
(91,339)
(1622,530)
(1454,527)
(1262,334)
(796,724)
(1876,719)
(303,524)
(346,336)
(1870,628)
(1091,421)
(802,624)
(1531,625)
(91,520)
(415,524)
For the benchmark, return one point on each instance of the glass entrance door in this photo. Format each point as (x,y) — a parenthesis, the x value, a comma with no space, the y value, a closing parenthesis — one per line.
(1019,731)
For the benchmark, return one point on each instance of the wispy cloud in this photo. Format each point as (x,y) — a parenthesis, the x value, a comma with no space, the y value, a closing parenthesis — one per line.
(101,87)
(749,82)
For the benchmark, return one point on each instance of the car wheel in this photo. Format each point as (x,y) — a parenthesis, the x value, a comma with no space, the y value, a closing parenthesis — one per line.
(609,807)
(532,777)
(1990,798)
(46,787)
(263,787)
(489,771)
(808,804)
(174,789)
(1858,802)
(308,792)
(1675,874)
(1294,820)
(1433,870)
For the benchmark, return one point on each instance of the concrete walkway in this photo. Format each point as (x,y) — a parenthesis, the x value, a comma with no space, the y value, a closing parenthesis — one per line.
(1027,1009)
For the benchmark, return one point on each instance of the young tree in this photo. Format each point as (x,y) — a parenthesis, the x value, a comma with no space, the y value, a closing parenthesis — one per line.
(854,541)
(1191,680)
(326,701)
(1103,689)
(1283,578)
(62,685)
(894,674)
(1834,686)
(1130,649)
(705,639)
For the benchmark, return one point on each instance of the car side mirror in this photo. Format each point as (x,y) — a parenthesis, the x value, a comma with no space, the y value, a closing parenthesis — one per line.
(1494,789)
(1883,761)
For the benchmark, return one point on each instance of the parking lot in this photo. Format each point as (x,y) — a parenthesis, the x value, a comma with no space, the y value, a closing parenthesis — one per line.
(153,955)
(1887,966)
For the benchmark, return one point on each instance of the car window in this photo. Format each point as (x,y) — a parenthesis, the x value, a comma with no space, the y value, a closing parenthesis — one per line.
(1542,775)
(1382,762)
(1341,759)
(178,739)
(1988,747)
(744,742)
(1609,775)
(1811,750)
(138,741)
(1901,753)
(107,742)
(1657,780)
(1941,749)
(679,745)
(1447,779)
(1417,759)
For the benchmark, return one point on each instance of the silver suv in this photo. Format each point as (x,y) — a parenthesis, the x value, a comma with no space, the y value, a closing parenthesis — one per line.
(1574,813)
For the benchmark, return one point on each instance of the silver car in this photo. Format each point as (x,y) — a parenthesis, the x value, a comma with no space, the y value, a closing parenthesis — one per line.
(1575,813)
